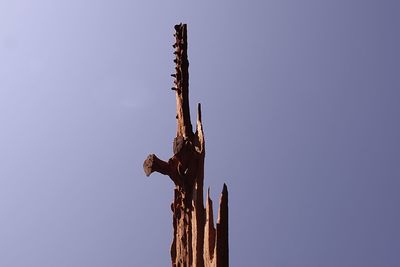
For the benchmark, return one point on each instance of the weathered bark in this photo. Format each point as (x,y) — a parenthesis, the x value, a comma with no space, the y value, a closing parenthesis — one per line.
(196,242)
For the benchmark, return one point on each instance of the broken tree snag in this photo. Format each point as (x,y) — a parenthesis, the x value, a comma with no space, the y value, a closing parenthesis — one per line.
(196,242)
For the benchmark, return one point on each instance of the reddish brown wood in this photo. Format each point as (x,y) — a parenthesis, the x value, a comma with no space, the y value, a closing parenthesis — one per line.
(196,242)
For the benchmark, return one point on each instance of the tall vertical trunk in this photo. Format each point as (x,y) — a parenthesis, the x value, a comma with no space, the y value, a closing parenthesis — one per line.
(196,242)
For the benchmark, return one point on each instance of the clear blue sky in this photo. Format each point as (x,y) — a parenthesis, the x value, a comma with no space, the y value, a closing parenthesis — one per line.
(301,115)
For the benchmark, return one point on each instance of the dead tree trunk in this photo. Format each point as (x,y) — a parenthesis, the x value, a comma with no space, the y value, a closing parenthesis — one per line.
(196,241)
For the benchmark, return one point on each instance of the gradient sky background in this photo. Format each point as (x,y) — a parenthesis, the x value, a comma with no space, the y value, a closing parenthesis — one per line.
(301,115)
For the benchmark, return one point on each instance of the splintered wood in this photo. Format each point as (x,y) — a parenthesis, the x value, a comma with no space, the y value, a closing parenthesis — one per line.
(196,242)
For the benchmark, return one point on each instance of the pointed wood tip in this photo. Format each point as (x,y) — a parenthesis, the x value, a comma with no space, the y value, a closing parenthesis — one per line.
(225,189)
(199,112)
(223,205)
(222,243)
